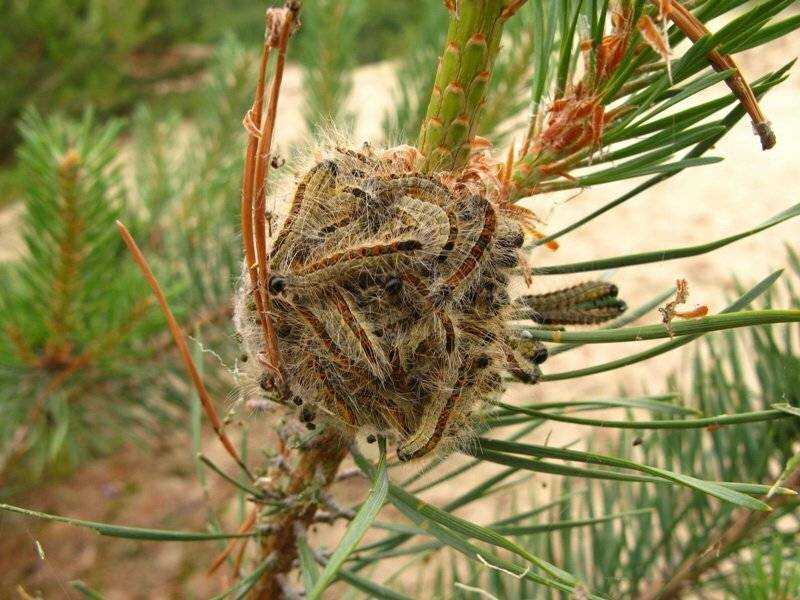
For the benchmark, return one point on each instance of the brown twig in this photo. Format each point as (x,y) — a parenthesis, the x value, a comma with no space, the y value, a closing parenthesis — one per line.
(286,18)
(694,30)
(511,8)
(183,348)
(254,231)
(252,121)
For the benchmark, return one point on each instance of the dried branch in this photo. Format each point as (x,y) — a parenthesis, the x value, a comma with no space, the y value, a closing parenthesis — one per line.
(284,18)
(317,466)
(252,118)
(280,25)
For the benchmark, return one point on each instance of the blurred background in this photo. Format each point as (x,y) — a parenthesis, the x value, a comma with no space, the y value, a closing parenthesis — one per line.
(165,84)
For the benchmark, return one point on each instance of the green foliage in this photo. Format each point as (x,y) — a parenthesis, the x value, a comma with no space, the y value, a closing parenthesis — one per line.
(67,325)
(772,573)
(61,56)
(648,111)
(129,533)
(741,302)
(83,355)
(328,55)
(65,55)
(361,522)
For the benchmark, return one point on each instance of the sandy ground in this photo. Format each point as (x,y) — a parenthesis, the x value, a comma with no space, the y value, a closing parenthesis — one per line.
(704,204)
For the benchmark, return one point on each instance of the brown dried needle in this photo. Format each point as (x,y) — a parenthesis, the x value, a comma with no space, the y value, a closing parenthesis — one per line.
(183,348)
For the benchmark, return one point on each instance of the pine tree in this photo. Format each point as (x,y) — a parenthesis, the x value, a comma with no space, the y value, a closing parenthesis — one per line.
(67,325)
(84,359)
(613,95)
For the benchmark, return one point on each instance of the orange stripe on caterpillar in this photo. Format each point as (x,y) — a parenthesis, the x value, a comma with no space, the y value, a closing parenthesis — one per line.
(449,333)
(470,263)
(416,445)
(452,236)
(373,356)
(360,253)
(319,330)
(297,202)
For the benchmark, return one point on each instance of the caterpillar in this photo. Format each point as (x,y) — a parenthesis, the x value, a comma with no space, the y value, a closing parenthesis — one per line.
(587,303)
(390,297)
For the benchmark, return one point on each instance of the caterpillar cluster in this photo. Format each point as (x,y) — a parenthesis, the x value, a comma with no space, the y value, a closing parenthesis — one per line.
(390,301)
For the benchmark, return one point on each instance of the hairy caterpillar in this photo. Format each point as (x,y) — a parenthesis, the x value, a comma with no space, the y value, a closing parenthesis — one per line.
(391,301)
(586,303)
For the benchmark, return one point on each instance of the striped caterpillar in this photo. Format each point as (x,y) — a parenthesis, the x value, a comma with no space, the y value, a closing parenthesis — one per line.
(586,303)
(390,297)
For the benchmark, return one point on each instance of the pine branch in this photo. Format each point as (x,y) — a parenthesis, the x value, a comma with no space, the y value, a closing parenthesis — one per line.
(50,306)
(465,67)
(579,123)
(315,470)
(594,82)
